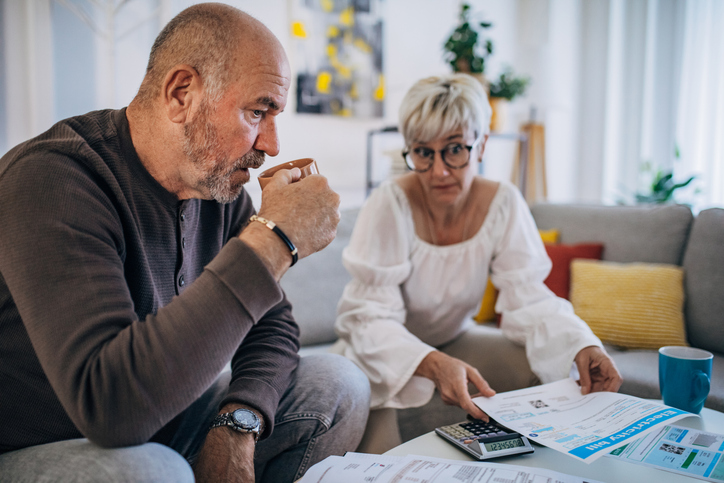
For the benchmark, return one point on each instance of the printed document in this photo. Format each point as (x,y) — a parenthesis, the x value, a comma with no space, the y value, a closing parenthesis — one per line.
(686,451)
(587,427)
(368,468)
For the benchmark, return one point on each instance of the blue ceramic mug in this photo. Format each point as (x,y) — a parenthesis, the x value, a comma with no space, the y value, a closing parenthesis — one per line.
(684,377)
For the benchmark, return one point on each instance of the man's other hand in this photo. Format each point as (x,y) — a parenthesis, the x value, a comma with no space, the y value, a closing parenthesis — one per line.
(597,370)
(227,455)
(306,210)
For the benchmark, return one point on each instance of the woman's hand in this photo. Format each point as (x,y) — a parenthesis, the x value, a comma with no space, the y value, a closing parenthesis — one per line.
(451,377)
(597,370)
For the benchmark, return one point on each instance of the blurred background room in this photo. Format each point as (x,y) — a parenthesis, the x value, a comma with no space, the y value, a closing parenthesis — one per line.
(604,101)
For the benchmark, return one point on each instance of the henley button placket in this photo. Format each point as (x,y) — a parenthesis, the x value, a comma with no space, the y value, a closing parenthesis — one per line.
(180,280)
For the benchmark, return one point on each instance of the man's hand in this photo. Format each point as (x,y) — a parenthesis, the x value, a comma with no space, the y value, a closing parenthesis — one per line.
(597,370)
(451,377)
(227,455)
(306,210)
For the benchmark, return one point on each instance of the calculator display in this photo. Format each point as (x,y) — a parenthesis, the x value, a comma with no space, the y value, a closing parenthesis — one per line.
(507,444)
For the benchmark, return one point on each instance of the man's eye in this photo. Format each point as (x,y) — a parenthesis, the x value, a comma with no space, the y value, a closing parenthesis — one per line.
(257,113)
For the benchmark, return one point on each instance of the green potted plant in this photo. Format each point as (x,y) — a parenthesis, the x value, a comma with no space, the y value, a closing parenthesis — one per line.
(504,90)
(662,189)
(465,49)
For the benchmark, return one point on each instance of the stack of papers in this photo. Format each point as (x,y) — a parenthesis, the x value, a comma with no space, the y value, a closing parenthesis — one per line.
(369,468)
(587,427)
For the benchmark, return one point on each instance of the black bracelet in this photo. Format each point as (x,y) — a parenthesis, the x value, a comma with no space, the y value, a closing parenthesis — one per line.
(273,227)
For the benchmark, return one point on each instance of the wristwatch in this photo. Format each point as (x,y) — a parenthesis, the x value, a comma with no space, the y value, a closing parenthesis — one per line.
(242,420)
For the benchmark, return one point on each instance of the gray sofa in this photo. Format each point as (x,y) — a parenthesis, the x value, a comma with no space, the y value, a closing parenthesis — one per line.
(658,234)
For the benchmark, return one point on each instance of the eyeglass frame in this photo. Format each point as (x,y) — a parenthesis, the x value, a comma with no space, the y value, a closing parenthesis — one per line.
(406,152)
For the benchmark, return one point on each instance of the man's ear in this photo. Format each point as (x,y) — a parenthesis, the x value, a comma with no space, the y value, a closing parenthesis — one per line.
(181,92)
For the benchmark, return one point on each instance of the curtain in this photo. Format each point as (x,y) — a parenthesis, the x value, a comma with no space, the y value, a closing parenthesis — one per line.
(664,99)
(700,110)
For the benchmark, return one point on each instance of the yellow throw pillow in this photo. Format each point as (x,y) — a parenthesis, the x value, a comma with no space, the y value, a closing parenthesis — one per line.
(549,237)
(632,305)
(487,307)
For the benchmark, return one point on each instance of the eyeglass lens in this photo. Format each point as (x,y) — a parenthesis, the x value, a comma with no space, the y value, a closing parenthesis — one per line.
(454,155)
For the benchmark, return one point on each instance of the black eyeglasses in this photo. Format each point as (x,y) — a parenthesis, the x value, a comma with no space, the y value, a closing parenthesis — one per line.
(454,155)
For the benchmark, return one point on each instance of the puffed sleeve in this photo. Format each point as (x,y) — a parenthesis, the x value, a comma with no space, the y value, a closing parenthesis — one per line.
(532,315)
(371,313)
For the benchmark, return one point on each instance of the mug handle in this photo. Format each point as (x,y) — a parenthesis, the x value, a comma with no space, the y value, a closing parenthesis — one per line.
(700,387)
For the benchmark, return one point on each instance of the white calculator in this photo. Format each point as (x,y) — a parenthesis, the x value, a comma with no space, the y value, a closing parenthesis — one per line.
(483,440)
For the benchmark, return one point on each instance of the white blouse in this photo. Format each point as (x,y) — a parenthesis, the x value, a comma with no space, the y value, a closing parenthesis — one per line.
(407,297)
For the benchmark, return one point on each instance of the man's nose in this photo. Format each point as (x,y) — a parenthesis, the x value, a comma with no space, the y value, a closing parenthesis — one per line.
(267,139)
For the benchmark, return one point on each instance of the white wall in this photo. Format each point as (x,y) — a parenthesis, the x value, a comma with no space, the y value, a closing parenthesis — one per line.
(414,32)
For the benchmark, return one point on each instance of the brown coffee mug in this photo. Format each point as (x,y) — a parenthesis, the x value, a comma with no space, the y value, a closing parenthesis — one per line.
(306,165)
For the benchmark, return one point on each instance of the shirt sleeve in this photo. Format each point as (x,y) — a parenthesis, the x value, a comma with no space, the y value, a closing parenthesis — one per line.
(121,379)
(371,312)
(532,315)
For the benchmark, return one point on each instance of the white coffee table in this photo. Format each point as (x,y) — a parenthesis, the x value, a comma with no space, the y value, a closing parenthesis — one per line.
(604,469)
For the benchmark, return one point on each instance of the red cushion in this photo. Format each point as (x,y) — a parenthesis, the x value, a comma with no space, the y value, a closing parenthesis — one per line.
(559,280)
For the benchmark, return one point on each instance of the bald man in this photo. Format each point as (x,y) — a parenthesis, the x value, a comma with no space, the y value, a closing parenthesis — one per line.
(133,271)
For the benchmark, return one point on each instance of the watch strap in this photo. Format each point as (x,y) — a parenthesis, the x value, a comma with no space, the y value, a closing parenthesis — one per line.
(226,419)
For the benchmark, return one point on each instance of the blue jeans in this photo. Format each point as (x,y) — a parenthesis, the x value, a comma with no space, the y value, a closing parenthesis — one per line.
(323,412)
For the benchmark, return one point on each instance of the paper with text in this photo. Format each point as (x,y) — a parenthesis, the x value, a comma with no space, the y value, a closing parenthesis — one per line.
(587,427)
(686,451)
(365,468)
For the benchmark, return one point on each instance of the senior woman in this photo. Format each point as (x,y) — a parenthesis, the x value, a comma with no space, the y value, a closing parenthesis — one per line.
(420,256)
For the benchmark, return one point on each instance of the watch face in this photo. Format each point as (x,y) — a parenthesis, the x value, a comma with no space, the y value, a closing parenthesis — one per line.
(245,418)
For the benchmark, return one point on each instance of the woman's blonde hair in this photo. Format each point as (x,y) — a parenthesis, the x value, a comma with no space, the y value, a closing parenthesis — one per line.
(437,105)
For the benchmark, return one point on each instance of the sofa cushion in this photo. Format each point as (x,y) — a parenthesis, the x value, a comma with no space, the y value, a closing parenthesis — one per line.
(559,280)
(315,284)
(651,234)
(633,305)
(704,279)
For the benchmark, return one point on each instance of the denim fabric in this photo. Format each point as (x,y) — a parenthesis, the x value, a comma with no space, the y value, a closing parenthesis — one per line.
(323,412)
(78,460)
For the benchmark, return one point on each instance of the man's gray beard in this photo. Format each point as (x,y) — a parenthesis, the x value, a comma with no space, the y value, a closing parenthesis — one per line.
(201,146)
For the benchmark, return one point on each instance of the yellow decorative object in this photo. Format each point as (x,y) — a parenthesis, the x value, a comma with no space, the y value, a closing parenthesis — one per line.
(331,51)
(363,46)
(487,307)
(346,18)
(549,237)
(332,31)
(379,93)
(298,30)
(327,5)
(490,296)
(632,305)
(324,79)
(353,91)
(341,69)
